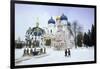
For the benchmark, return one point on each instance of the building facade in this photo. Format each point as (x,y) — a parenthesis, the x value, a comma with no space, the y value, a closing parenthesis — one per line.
(59,33)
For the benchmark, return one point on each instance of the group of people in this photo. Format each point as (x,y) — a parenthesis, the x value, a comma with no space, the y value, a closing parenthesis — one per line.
(34,52)
(42,51)
(67,52)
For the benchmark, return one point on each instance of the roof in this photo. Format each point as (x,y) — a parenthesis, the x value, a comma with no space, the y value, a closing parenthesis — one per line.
(51,21)
(38,31)
(63,17)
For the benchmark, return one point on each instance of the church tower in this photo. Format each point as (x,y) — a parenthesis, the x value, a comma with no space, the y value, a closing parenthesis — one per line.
(64,21)
(59,25)
(51,26)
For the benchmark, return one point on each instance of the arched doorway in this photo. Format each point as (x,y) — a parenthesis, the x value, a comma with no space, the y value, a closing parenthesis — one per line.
(36,43)
(48,42)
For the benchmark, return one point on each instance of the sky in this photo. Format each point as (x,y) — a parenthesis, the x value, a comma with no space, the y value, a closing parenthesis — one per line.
(26,16)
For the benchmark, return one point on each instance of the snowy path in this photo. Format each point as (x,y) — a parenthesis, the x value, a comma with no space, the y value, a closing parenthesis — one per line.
(53,56)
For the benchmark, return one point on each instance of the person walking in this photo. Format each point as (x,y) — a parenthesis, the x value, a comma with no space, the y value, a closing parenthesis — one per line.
(69,53)
(66,52)
(27,51)
(24,52)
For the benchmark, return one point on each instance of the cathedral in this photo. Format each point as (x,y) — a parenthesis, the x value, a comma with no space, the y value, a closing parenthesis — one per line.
(59,33)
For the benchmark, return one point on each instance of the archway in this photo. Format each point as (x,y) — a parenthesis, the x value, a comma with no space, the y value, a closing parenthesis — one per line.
(48,42)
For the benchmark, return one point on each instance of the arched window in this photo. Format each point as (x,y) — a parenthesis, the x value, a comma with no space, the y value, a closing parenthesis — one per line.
(51,30)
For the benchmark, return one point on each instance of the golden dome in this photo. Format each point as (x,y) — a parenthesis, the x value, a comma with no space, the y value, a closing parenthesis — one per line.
(58,18)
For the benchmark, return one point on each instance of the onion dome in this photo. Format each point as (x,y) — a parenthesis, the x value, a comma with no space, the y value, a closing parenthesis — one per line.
(58,18)
(51,21)
(38,31)
(63,17)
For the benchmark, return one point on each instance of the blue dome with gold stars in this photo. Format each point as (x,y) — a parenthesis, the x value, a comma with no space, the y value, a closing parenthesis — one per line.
(37,31)
(51,21)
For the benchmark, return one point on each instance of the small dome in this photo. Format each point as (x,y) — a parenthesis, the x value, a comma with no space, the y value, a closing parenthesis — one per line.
(63,17)
(51,21)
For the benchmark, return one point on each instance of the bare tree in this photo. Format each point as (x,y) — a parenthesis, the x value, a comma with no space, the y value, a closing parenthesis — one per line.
(28,37)
(76,29)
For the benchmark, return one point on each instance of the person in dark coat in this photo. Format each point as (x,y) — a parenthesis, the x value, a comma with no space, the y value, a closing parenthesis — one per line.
(27,51)
(69,53)
(65,52)
(24,52)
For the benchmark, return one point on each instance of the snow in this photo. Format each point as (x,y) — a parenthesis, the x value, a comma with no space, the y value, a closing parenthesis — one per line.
(54,56)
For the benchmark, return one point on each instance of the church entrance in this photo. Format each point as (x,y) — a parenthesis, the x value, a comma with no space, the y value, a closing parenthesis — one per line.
(36,43)
(48,42)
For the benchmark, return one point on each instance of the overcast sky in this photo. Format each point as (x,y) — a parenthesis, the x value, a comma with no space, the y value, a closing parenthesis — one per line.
(26,16)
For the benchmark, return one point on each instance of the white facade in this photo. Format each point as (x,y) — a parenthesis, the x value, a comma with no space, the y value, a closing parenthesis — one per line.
(61,38)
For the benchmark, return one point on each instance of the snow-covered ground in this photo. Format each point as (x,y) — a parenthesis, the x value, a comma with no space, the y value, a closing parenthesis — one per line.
(54,56)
